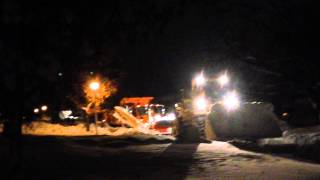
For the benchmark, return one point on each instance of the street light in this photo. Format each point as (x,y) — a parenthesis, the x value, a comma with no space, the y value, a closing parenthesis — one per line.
(36,110)
(223,80)
(44,108)
(94,86)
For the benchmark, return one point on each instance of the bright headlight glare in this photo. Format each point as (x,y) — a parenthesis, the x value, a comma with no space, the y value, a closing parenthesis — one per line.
(231,101)
(169,130)
(157,117)
(168,117)
(223,80)
(171,116)
(200,103)
(200,80)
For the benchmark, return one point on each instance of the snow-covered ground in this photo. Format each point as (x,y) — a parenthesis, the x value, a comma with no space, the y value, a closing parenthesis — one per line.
(42,128)
(45,128)
(110,158)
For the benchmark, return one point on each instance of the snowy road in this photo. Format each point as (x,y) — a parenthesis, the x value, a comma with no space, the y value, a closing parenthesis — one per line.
(102,158)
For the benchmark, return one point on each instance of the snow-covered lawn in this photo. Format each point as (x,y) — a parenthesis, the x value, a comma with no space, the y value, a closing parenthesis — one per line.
(111,158)
(41,128)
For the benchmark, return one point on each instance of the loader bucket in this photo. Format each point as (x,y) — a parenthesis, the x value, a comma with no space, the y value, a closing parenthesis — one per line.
(250,121)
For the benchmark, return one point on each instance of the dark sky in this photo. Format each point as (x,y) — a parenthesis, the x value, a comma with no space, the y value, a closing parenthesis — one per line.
(155,47)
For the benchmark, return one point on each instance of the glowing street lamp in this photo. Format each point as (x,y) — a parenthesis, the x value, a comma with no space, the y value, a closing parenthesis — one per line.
(223,80)
(36,110)
(44,108)
(94,86)
(231,101)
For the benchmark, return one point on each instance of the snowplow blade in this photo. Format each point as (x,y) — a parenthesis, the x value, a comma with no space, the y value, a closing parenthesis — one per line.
(125,117)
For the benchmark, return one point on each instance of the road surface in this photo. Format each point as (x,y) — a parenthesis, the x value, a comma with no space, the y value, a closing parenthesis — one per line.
(105,158)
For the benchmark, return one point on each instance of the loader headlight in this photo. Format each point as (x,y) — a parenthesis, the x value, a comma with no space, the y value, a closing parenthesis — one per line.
(200,80)
(231,101)
(200,104)
(223,80)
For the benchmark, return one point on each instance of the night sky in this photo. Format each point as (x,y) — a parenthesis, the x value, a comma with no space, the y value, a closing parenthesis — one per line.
(155,47)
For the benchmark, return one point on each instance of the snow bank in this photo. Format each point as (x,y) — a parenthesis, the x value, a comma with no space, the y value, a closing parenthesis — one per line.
(303,136)
(44,128)
(47,128)
(305,130)
(298,136)
(301,142)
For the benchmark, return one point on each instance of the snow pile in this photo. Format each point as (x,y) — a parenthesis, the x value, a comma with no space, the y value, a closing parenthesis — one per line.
(277,140)
(304,139)
(121,114)
(305,130)
(303,136)
(45,128)
(299,136)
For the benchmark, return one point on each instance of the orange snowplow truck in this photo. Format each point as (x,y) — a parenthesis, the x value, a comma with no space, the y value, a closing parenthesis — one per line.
(138,106)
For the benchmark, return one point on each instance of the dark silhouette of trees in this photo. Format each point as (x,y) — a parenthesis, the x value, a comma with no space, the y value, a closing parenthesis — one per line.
(50,48)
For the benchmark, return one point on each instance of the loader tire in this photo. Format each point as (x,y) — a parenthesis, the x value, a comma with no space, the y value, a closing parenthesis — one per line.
(200,123)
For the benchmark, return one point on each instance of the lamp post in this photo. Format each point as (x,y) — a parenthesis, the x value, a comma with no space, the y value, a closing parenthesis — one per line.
(94,86)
